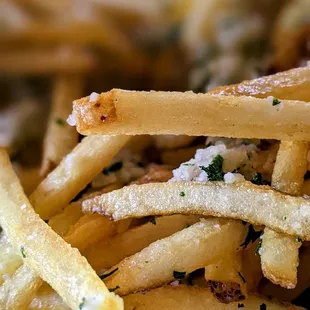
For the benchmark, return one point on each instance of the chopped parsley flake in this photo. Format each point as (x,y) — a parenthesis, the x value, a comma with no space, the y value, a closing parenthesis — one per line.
(22,251)
(240,305)
(113,168)
(179,274)
(114,289)
(188,164)
(82,304)
(104,276)
(182,194)
(187,225)
(215,170)
(263,307)
(258,246)
(153,220)
(257,179)
(252,236)
(60,121)
(241,276)
(275,101)
(298,239)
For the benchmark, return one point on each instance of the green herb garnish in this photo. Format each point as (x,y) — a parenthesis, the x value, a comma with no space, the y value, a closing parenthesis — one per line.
(275,101)
(257,178)
(82,304)
(104,276)
(182,194)
(241,276)
(215,170)
(298,239)
(113,168)
(114,289)
(22,251)
(179,274)
(60,121)
(258,246)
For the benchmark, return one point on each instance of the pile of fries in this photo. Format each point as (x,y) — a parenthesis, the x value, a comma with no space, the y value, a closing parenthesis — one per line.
(157,199)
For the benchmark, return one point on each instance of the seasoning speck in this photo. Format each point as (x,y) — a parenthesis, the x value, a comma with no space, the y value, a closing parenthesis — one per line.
(182,194)
(22,251)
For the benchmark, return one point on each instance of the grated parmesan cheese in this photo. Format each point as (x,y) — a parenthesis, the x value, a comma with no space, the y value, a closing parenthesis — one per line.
(71,120)
(93,97)
(233,177)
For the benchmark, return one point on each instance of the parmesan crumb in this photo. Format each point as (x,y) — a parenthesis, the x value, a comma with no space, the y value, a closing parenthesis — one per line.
(216,226)
(175,283)
(71,120)
(23,207)
(93,97)
(233,177)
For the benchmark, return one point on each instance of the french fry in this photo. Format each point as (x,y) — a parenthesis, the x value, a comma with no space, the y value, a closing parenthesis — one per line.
(10,261)
(22,225)
(290,85)
(224,277)
(306,188)
(172,142)
(185,251)
(256,204)
(186,298)
(279,252)
(45,61)
(131,112)
(60,138)
(13,294)
(46,298)
(157,173)
(74,172)
(108,252)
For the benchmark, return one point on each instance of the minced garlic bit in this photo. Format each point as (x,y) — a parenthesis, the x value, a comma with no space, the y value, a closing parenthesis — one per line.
(233,177)
(71,120)
(93,97)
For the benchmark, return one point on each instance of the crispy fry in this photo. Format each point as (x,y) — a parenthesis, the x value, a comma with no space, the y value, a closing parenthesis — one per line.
(198,245)
(243,200)
(156,173)
(108,252)
(133,112)
(74,172)
(22,225)
(18,291)
(226,276)
(279,252)
(187,298)
(290,85)
(60,138)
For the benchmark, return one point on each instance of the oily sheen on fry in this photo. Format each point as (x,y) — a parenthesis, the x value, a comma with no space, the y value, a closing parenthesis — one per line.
(255,204)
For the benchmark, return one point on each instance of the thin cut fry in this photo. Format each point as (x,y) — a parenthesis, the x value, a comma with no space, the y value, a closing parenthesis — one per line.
(279,252)
(74,172)
(65,269)
(290,85)
(18,291)
(185,251)
(45,61)
(109,252)
(255,204)
(60,138)
(131,112)
(187,298)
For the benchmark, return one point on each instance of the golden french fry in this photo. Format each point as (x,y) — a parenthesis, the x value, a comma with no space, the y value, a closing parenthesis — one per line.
(192,248)
(74,172)
(10,260)
(60,138)
(306,188)
(108,252)
(131,112)
(45,61)
(190,297)
(156,173)
(18,291)
(279,252)
(172,142)
(256,204)
(65,269)
(226,277)
(29,178)
(290,85)
(179,156)
(46,298)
